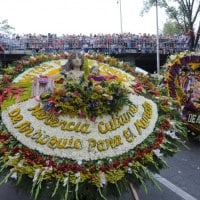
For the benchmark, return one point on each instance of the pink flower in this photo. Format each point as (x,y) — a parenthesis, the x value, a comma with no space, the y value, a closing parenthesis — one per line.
(93,119)
(82,115)
(76,93)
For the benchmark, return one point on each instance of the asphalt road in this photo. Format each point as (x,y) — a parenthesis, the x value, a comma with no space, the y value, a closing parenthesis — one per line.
(182,178)
(180,181)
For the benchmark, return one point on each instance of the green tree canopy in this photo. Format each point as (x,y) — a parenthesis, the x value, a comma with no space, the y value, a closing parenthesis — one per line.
(5,27)
(171,28)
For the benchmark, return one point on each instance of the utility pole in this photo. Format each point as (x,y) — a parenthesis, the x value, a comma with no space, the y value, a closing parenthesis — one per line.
(120,9)
(157,41)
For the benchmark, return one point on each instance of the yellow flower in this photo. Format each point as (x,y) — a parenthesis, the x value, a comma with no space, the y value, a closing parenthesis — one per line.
(98,88)
(114,175)
(194,66)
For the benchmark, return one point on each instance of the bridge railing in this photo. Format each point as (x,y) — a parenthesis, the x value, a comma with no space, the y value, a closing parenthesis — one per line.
(103,46)
(97,50)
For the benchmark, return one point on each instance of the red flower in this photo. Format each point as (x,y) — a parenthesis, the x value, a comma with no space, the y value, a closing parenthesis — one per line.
(4,138)
(103,168)
(92,168)
(126,161)
(6,79)
(18,68)
(114,164)
(165,102)
(165,125)
(3,151)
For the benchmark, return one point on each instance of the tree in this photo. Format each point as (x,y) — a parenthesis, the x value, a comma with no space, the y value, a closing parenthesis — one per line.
(183,12)
(171,28)
(5,27)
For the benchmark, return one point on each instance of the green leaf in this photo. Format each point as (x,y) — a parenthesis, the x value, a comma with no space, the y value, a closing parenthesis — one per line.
(56,188)
(38,188)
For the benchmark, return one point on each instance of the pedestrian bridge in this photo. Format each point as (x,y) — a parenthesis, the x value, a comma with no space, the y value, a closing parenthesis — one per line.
(146,61)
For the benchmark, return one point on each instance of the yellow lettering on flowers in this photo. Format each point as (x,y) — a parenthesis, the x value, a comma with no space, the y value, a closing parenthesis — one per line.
(25,127)
(111,70)
(53,121)
(129,136)
(146,116)
(15,115)
(32,73)
(103,145)
(55,142)
(117,121)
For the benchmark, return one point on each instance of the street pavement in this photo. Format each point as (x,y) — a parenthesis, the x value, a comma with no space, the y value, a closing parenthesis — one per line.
(183,173)
(180,181)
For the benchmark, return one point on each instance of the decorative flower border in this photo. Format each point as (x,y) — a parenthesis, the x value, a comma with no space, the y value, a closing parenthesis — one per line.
(182,69)
(96,176)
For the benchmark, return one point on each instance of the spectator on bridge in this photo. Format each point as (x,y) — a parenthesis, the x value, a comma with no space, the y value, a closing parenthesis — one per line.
(2,50)
(103,43)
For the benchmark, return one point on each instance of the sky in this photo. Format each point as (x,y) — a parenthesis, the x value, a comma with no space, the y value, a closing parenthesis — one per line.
(79,16)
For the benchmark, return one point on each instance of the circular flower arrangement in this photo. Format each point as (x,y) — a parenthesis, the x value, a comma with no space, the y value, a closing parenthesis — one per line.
(183,83)
(83,139)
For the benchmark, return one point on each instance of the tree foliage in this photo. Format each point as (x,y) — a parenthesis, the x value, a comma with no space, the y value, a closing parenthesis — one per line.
(171,28)
(184,13)
(5,27)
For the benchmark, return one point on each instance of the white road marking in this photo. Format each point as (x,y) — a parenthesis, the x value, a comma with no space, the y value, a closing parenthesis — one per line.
(174,188)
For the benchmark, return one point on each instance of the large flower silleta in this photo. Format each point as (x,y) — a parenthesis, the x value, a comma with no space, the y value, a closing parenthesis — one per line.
(182,77)
(85,136)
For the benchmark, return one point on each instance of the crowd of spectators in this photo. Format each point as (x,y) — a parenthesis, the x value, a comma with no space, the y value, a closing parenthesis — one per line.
(105,43)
